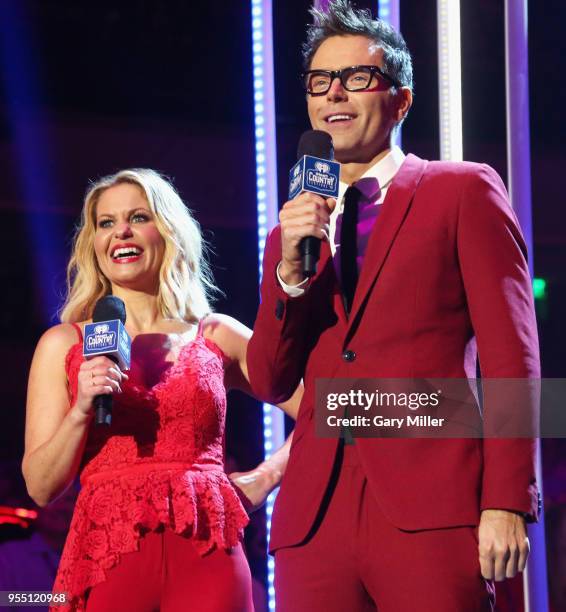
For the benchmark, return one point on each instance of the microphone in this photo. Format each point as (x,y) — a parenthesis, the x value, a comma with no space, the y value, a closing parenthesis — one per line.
(107,336)
(315,172)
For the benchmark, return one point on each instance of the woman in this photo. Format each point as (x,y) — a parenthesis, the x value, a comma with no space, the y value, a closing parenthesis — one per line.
(155,502)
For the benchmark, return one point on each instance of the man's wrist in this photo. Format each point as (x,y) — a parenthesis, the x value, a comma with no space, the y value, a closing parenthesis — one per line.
(290,275)
(295,290)
(503,511)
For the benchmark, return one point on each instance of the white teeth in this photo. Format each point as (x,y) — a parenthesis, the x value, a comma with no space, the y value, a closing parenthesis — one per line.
(126,251)
(338,118)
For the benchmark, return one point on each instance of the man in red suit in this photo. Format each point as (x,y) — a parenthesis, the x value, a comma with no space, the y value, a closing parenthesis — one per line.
(436,276)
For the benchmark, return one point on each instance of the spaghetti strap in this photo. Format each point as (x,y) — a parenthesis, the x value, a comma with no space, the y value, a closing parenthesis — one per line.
(79,331)
(200,324)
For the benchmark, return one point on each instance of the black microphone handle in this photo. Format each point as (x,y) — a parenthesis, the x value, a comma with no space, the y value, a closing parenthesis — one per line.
(310,253)
(103,410)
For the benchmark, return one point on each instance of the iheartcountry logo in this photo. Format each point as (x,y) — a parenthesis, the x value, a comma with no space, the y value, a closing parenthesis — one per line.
(322,167)
(102,328)
(101,340)
(321,180)
(316,175)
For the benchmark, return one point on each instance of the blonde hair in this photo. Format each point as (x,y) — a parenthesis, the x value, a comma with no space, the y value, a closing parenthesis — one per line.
(185,280)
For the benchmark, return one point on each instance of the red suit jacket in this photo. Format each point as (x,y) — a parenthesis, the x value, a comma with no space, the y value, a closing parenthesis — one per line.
(445,271)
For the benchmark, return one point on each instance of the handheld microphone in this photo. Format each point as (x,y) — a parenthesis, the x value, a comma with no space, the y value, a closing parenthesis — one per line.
(107,336)
(315,172)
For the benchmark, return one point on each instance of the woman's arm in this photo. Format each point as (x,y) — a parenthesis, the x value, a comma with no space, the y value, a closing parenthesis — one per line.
(232,338)
(257,484)
(56,432)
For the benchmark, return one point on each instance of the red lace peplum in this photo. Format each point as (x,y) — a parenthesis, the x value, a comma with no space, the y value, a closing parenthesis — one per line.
(160,464)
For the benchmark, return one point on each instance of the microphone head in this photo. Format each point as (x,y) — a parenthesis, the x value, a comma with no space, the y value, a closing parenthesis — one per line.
(109,308)
(316,143)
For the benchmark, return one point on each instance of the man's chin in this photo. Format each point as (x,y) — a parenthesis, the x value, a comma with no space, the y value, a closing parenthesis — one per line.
(355,152)
(346,154)
(346,149)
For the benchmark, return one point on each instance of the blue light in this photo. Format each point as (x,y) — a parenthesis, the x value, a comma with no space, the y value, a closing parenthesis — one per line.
(267,200)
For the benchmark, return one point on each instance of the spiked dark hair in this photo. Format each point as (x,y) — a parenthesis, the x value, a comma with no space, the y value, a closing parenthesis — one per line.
(343,19)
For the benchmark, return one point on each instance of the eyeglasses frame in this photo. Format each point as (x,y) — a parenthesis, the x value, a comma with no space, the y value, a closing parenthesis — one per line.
(338,74)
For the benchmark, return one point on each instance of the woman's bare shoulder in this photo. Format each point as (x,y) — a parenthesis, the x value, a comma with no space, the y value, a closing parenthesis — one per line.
(215,324)
(60,337)
(227,333)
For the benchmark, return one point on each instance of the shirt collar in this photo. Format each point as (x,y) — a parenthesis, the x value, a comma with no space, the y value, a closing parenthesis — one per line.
(378,176)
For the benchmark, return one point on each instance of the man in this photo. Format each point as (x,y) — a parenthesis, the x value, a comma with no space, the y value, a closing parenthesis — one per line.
(392,524)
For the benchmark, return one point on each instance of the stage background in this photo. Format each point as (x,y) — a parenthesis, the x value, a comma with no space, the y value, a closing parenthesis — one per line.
(89,88)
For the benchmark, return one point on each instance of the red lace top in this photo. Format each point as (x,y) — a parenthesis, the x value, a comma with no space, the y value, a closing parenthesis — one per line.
(159,463)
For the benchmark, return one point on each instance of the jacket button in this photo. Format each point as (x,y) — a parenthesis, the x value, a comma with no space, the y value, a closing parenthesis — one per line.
(348,355)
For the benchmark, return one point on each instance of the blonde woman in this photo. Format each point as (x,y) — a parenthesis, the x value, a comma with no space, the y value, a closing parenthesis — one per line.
(158,523)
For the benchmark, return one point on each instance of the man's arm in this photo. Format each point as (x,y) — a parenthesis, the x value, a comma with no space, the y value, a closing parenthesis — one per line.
(493,262)
(278,349)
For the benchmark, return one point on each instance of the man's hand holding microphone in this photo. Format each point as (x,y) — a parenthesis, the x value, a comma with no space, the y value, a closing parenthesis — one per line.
(305,217)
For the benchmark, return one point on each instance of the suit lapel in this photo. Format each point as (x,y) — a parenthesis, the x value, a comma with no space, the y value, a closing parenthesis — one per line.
(395,207)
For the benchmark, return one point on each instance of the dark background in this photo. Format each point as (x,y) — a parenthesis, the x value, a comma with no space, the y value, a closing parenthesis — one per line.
(88,88)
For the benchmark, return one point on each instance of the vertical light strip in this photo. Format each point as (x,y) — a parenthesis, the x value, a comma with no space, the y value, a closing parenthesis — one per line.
(388,11)
(449,80)
(267,205)
(535,585)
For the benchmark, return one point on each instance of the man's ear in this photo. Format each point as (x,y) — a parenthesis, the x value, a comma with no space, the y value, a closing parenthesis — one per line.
(403,100)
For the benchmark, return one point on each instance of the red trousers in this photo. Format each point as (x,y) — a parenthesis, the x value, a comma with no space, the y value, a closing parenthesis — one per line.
(357,561)
(168,575)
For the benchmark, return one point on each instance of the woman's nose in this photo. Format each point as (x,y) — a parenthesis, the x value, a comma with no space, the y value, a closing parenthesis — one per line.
(123,230)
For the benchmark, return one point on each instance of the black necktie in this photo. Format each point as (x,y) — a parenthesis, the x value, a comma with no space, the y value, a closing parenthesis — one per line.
(349,246)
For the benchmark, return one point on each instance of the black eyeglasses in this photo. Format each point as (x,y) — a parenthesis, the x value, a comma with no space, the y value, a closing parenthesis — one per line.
(355,78)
